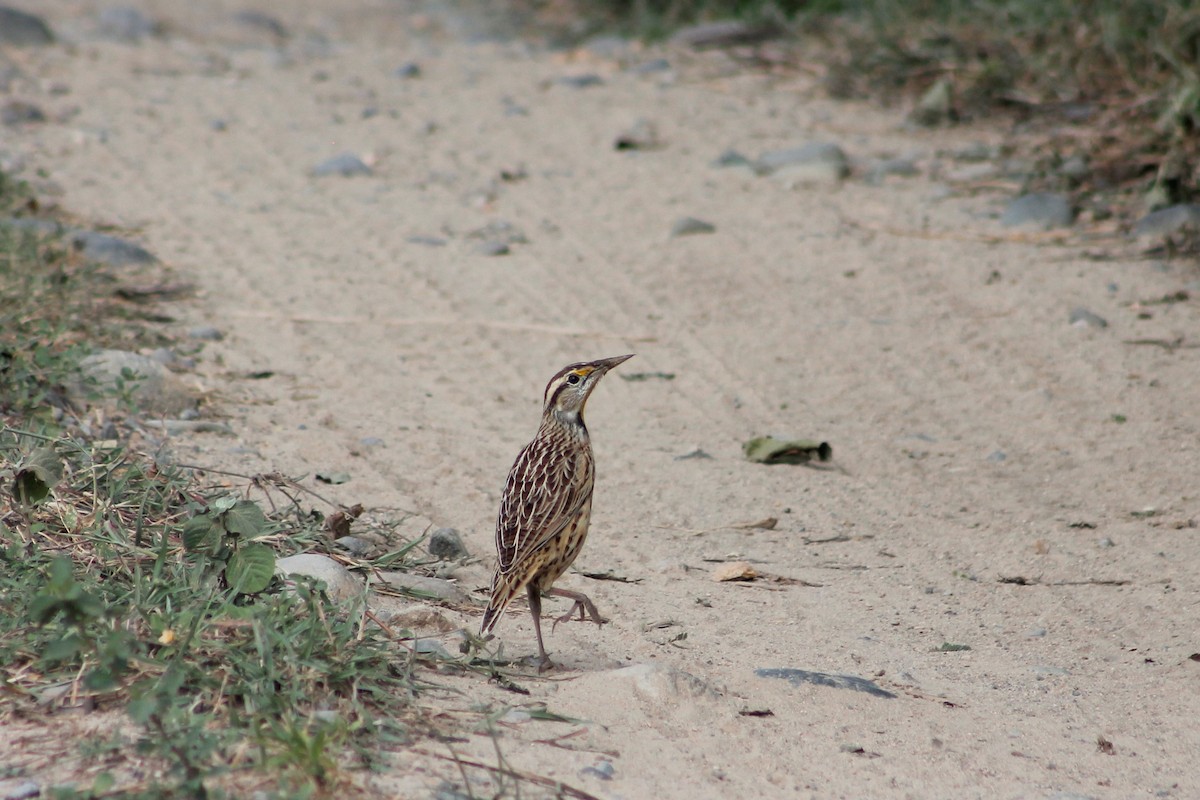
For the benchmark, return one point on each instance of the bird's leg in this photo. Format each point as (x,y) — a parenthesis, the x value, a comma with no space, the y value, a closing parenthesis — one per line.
(535,608)
(583,603)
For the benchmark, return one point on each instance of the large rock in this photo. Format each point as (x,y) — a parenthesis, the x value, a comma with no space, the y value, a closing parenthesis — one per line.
(816,162)
(340,583)
(23,30)
(152,387)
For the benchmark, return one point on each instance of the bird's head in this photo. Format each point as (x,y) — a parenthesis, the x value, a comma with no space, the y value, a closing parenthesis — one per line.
(568,391)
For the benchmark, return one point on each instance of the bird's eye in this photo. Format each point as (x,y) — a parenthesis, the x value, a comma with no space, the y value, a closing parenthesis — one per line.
(573,379)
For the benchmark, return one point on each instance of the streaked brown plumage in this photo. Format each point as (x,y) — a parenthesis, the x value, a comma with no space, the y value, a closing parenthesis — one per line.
(547,504)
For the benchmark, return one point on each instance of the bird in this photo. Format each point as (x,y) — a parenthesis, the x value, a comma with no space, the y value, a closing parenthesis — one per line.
(547,505)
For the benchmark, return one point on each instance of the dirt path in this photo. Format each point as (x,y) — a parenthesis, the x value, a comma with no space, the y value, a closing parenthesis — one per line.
(975,429)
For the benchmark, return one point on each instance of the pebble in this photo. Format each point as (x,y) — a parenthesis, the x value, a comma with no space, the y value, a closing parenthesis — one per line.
(432,647)
(37,225)
(603,769)
(936,106)
(650,67)
(111,251)
(1081,317)
(903,167)
(642,135)
(371,441)
(1106,542)
(126,24)
(355,546)
(693,454)
(428,241)
(345,164)
(424,586)
(22,29)
(262,21)
(1166,221)
(446,543)
(815,162)
(340,583)
(726,33)
(1076,168)
(732,158)
(492,249)
(1039,209)
(19,789)
(206,333)
(972,172)
(690,226)
(409,69)
(1036,633)
(996,456)
(584,81)
(19,112)
(798,676)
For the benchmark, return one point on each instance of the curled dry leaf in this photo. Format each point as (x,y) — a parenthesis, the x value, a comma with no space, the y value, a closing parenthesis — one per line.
(735,571)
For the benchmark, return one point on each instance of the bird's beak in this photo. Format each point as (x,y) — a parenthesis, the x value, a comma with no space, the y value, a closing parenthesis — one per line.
(604,365)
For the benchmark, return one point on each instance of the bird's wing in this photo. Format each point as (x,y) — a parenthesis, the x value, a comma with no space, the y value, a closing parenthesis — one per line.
(546,488)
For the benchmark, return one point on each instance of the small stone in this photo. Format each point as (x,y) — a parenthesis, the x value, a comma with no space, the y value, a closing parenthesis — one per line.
(355,546)
(690,226)
(206,333)
(603,769)
(732,158)
(996,456)
(371,441)
(1166,221)
(126,24)
(980,171)
(816,162)
(409,69)
(431,647)
(492,249)
(19,112)
(936,106)
(584,81)
(263,22)
(1081,317)
(1106,542)
(154,389)
(650,67)
(727,33)
(340,583)
(1076,168)
(23,30)
(16,788)
(218,125)
(446,543)
(693,454)
(1039,209)
(428,241)
(642,135)
(735,571)
(1036,633)
(421,586)
(903,167)
(111,251)
(344,164)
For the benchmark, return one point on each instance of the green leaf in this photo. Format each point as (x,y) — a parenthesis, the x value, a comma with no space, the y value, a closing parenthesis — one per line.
(223,503)
(245,519)
(36,476)
(250,568)
(65,649)
(202,534)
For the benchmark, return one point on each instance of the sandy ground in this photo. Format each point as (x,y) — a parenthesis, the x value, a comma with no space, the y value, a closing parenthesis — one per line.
(974,430)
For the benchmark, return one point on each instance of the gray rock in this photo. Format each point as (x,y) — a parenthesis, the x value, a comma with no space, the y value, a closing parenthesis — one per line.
(371,441)
(727,33)
(23,30)
(493,248)
(445,543)
(344,164)
(409,69)
(996,456)
(603,770)
(421,586)
(126,24)
(798,676)
(111,251)
(642,135)
(262,21)
(650,67)
(153,389)
(816,162)
(19,788)
(355,546)
(1076,168)
(499,230)
(1036,633)
(1106,541)
(690,226)
(1166,221)
(340,583)
(880,170)
(1084,318)
(206,333)
(732,158)
(1039,209)
(35,225)
(19,112)
(428,241)
(585,81)
(431,647)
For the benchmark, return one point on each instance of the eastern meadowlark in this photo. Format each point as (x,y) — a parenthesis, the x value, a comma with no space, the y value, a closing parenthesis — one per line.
(547,504)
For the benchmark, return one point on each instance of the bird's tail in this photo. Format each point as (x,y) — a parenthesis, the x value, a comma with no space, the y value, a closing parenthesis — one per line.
(504,589)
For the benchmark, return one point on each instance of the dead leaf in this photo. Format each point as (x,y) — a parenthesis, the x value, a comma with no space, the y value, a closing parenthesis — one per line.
(338,523)
(735,571)
(767,524)
(1105,746)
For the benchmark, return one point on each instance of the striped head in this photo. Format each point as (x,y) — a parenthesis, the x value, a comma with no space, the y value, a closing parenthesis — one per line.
(568,391)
